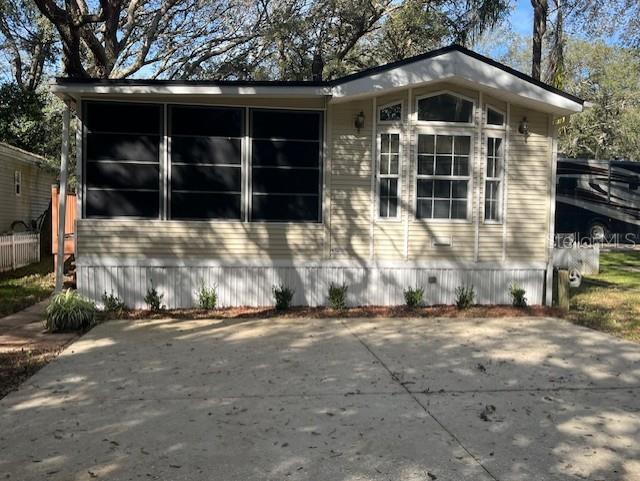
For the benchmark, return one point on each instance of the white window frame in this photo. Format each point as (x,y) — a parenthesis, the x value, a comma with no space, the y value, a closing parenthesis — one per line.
(468,132)
(487,125)
(499,178)
(379,176)
(391,122)
(442,122)
(17,183)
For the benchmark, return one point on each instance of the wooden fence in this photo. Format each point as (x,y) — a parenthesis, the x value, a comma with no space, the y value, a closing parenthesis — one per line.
(69,225)
(19,250)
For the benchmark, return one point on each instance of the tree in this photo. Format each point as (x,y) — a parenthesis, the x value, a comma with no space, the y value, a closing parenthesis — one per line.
(540,12)
(609,78)
(173,38)
(343,36)
(28,40)
(30,120)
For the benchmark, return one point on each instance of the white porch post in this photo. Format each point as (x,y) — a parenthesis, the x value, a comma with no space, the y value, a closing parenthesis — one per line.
(62,197)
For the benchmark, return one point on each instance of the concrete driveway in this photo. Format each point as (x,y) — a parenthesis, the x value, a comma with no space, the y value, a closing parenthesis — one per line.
(280,399)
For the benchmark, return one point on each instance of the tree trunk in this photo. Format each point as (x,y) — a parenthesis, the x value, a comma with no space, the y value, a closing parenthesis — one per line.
(540,10)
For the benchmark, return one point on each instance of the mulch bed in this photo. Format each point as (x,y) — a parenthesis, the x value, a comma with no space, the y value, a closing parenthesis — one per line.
(18,365)
(352,312)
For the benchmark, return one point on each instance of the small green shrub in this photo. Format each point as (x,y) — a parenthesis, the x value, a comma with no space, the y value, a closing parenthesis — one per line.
(283,296)
(68,311)
(338,296)
(518,298)
(207,297)
(413,296)
(465,297)
(113,303)
(153,298)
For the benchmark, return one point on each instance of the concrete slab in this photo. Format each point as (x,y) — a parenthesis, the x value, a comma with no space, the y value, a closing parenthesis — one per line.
(202,359)
(580,434)
(297,438)
(489,354)
(329,400)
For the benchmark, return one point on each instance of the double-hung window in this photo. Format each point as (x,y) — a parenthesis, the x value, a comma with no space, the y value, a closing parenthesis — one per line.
(493,182)
(388,174)
(443,176)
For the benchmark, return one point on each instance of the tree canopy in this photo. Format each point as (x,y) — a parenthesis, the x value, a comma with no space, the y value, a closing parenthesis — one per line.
(314,39)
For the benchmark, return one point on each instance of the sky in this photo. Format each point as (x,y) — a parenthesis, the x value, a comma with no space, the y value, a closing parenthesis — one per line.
(521,17)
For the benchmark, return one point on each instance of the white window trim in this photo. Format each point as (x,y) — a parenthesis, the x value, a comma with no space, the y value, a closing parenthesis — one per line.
(500,178)
(17,183)
(486,123)
(391,122)
(441,122)
(378,176)
(470,132)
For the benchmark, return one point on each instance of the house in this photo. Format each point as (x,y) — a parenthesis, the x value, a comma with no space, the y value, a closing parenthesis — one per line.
(435,171)
(25,188)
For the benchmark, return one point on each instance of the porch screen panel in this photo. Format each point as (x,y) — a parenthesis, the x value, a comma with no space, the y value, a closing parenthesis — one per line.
(122,159)
(286,165)
(206,158)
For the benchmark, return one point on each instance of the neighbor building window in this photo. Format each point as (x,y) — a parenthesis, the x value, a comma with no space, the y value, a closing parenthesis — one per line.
(493,182)
(443,176)
(122,159)
(286,167)
(494,117)
(388,174)
(206,162)
(17,179)
(390,113)
(445,107)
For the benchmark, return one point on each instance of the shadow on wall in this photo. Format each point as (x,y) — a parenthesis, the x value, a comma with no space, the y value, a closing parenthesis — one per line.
(349,235)
(265,399)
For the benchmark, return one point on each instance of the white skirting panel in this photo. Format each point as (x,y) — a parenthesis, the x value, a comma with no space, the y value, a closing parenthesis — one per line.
(247,285)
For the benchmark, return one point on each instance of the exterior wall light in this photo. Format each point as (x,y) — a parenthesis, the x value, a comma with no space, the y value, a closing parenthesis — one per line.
(523,128)
(359,121)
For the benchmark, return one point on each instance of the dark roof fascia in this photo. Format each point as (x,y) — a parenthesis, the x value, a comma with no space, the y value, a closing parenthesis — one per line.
(329,83)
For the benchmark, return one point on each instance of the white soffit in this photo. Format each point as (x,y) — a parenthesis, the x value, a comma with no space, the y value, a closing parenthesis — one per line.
(74,89)
(457,67)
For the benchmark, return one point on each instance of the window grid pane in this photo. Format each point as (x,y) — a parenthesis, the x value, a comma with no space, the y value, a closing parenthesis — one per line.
(493,183)
(443,176)
(388,173)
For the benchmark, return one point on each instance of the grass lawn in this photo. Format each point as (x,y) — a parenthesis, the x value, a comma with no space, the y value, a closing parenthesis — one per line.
(610,301)
(25,286)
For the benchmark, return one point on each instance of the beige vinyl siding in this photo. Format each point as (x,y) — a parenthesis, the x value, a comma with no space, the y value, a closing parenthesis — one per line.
(212,240)
(36,187)
(528,188)
(351,229)
(350,196)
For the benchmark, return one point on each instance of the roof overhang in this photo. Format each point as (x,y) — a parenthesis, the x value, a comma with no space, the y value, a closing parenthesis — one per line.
(451,64)
(64,89)
(459,68)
